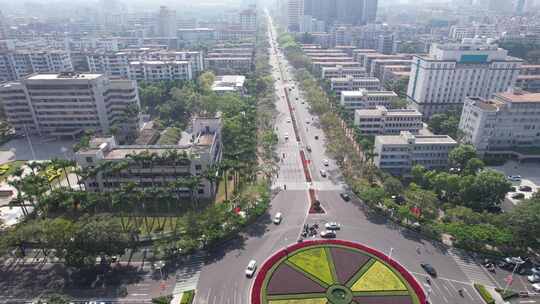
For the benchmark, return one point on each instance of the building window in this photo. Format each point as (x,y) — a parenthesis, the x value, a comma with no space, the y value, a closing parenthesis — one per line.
(89,160)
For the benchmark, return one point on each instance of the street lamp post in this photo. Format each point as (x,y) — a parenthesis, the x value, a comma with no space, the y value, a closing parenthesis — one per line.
(390,253)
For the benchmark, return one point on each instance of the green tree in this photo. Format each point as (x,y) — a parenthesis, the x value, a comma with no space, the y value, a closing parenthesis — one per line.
(485,190)
(460,155)
(392,186)
(524,221)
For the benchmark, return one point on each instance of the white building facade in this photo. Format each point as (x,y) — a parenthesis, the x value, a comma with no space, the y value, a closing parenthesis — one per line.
(350,83)
(364,99)
(397,154)
(67,104)
(441,81)
(508,121)
(15,65)
(383,121)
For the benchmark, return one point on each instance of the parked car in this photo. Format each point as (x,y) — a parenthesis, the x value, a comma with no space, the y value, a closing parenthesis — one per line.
(536,287)
(308,148)
(518,196)
(316,136)
(278,218)
(429,269)
(323,173)
(332,226)
(533,278)
(345,196)
(325,162)
(514,178)
(525,188)
(286,136)
(329,234)
(535,270)
(251,268)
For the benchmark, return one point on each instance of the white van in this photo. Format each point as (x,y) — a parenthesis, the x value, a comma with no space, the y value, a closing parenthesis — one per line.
(278,218)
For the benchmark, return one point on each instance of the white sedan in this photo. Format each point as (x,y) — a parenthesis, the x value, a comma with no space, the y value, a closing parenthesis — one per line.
(332,226)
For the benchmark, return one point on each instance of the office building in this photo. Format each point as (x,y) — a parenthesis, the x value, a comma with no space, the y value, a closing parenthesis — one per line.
(199,149)
(3,27)
(397,154)
(350,83)
(440,81)
(385,44)
(68,104)
(248,19)
(508,121)
(166,22)
(364,99)
(383,121)
(17,64)
(294,14)
(378,66)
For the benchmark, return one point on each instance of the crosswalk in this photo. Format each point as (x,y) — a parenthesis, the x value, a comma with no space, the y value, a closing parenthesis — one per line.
(471,268)
(188,276)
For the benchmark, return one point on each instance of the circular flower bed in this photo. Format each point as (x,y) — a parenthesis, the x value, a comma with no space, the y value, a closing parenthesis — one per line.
(334,272)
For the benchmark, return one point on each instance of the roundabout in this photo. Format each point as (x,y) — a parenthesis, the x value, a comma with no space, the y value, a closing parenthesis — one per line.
(334,272)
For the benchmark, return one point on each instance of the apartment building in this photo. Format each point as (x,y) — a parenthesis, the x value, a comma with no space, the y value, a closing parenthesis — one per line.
(383,121)
(229,65)
(364,99)
(350,83)
(357,54)
(199,148)
(110,64)
(441,81)
(229,84)
(67,104)
(155,70)
(530,83)
(366,59)
(193,36)
(17,64)
(508,121)
(340,72)
(397,154)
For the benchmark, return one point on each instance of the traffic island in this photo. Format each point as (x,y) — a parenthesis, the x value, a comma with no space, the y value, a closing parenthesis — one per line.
(334,272)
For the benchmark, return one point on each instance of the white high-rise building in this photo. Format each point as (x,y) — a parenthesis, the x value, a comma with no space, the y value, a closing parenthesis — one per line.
(440,81)
(507,122)
(295,13)
(166,22)
(67,104)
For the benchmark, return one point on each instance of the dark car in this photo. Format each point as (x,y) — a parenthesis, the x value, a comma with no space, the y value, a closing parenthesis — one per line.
(345,196)
(316,137)
(525,188)
(429,269)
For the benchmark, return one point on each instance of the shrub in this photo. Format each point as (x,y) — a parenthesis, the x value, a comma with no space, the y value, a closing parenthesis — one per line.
(162,300)
(486,296)
(509,294)
(187,297)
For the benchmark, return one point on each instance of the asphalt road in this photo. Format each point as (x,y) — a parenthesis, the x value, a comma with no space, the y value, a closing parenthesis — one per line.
(222,279)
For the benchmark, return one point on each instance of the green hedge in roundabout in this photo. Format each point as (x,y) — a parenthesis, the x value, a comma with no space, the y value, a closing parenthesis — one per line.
(334,272)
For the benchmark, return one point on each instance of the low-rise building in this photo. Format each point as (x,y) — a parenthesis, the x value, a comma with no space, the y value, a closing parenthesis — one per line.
(350,83)
(229,65)
(67,104)
(229,84)
(397,154)
(155,71)
(364,99)
(383,121)
(190,158)
(339,72)
(508,121)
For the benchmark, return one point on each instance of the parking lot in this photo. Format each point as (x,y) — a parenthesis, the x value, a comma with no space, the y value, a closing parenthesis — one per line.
(530,176)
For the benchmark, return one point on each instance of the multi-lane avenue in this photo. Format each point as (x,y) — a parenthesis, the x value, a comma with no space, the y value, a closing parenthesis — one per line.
(222,280)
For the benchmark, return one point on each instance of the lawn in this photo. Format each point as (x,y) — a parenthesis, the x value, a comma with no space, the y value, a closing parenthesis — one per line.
(315,262)
(378,278)
(150,224)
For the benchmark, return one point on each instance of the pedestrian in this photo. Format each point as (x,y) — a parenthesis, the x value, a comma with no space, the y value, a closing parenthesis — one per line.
(284,187)
(418,249)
